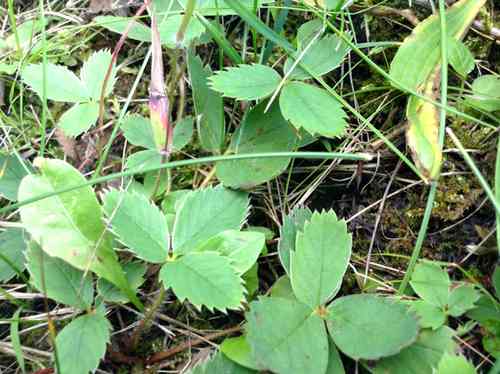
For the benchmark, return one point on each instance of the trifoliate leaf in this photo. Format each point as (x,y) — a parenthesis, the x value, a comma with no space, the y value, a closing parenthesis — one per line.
(12,247)
(285,336)
(61,83)
(70,225)
(79,118)
(241,247)
(138,224)
(94,71)
(259,132)
(322,253)
(359,326)
(292,223)
(82,343)
(58,279)
(204,279)
(312,109)
(431,283)
(246,82)
(205,213)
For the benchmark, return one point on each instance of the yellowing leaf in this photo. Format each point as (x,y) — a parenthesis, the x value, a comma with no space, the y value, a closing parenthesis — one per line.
(422,134)
(416,66)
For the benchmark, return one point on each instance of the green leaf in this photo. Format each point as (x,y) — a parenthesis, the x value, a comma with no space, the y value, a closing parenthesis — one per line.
(208,105)
(170,25)
(205,279)
(422,357)
(173,201)
(486,310)
(144,159)
(241,247)
(61,83)
(286,337)
(138,31)
(246,82)
(12,172)
(220,364)
(79,118)
(431,283)
(251,279)
(167,28)
(134,271)
(16,341)
(94,71)
(205,213)
(138,224)
(335,365)
(238,350)
(320,260)
(12,247)
(207,7)
(58,279)
(259,132)
(419,54)
(183,132)
(462,299)
(138,131)
(307,31)
(282,288)
(69,225)
(292,223)
(359,324)
(323,56)
(312,109)
(82,343)
(459,57)
(495,279)
(485,90)
(451,364)
(429,315)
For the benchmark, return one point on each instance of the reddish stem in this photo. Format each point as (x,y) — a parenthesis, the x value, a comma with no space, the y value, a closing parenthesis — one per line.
(114,58)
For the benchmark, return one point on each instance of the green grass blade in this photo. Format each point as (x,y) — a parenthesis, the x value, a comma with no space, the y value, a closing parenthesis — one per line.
(16,341)
(196,161)
(221,40)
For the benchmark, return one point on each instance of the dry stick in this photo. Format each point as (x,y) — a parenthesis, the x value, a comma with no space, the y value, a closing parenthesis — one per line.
(114,58)
(160,356)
